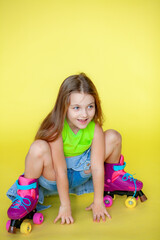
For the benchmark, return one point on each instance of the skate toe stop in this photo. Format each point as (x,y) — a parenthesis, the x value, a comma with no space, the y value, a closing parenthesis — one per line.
(12,229)
(143,198)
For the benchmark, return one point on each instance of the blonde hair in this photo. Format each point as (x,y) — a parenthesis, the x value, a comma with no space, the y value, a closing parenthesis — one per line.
(52,125)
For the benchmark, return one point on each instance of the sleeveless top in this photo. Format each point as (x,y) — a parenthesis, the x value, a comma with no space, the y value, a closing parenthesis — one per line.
(76,144)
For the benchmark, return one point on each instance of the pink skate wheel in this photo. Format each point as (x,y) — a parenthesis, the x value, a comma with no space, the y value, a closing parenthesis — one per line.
(8,224)
(108,200)
(38,218)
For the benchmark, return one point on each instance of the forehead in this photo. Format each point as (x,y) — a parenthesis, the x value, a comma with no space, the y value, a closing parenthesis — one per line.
(81,98)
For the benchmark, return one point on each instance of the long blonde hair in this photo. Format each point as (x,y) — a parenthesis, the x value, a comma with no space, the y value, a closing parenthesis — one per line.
(52,125)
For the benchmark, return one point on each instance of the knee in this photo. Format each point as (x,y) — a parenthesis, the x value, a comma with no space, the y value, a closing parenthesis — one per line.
(39,148)
(113,137)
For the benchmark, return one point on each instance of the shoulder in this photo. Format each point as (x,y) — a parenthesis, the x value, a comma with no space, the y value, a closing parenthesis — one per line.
(98,131)
(98,139)
(57,143)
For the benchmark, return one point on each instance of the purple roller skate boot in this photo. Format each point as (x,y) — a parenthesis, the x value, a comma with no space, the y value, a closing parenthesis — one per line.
(117,181)
(24,205)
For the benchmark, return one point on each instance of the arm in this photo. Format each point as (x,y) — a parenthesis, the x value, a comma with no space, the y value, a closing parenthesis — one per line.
(97,169)
(62,181)
(97,163)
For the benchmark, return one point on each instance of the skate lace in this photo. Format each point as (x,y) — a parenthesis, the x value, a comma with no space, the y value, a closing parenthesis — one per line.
(129,176)
(19,201)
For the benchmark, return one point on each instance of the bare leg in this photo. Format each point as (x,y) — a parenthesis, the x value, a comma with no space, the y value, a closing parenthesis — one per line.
(39,161)
(113,145)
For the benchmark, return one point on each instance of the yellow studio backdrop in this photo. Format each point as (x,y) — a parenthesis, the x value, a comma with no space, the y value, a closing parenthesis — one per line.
(116,43)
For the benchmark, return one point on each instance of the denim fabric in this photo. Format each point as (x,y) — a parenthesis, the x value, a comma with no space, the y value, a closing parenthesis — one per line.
(76,179)
(80,162)
(79,182)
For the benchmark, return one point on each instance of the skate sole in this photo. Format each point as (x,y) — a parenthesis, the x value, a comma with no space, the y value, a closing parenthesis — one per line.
(108,200)
(14,224)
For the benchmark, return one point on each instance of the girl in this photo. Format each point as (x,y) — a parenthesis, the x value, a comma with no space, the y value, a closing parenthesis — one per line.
(68,153)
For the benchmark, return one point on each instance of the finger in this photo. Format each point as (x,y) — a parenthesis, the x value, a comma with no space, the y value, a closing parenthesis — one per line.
(108,215)
(62,220)
(56,219)
(71,219)
(103,217)
(68,220)
(98,218)
(94,217)
(88,208)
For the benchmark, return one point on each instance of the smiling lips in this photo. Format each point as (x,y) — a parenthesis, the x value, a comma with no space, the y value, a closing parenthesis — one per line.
(82,121)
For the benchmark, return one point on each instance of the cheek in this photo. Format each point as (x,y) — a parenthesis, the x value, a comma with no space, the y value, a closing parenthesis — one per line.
(92,113)
(71,114)
(68,114)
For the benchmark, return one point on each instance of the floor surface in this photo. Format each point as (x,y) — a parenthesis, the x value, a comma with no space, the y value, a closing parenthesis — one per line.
(142,222)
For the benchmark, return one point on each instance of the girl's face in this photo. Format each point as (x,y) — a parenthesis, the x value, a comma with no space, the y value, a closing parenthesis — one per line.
(80,111)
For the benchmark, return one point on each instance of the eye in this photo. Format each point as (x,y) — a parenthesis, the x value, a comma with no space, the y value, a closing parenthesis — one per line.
(76,108)
(91,106)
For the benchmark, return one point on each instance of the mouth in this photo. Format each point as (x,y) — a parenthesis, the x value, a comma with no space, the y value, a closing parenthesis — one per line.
(83,121)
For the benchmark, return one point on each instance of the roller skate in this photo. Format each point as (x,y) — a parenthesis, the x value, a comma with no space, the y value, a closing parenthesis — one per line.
(24,206)
(118,182)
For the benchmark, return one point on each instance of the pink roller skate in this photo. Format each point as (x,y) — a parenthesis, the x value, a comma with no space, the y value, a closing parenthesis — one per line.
(24,206)
(118,182)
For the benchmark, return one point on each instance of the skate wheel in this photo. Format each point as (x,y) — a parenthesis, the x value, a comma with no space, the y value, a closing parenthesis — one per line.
(8,224)
(38,218)
(25,227)
(108,200)
(130,202)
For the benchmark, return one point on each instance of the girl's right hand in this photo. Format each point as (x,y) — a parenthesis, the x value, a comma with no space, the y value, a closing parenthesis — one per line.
(65,215)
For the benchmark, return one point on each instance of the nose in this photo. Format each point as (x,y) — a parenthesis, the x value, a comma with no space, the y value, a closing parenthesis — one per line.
(84,113)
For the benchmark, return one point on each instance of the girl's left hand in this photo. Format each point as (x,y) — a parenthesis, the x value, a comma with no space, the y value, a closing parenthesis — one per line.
(99,211)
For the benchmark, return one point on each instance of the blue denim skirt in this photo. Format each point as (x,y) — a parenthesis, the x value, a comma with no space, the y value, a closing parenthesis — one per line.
(79,181)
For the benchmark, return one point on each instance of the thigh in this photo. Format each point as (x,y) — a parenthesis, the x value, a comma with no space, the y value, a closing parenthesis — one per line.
(48,169)
(38,158)
(112,141)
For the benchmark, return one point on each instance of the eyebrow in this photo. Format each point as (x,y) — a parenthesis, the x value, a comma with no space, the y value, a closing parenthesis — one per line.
(76,104)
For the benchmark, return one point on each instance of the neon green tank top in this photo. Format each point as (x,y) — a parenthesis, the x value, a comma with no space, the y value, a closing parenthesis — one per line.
(76,144)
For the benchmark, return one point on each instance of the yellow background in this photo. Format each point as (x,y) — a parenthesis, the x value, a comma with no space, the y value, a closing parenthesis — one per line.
(116,43)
